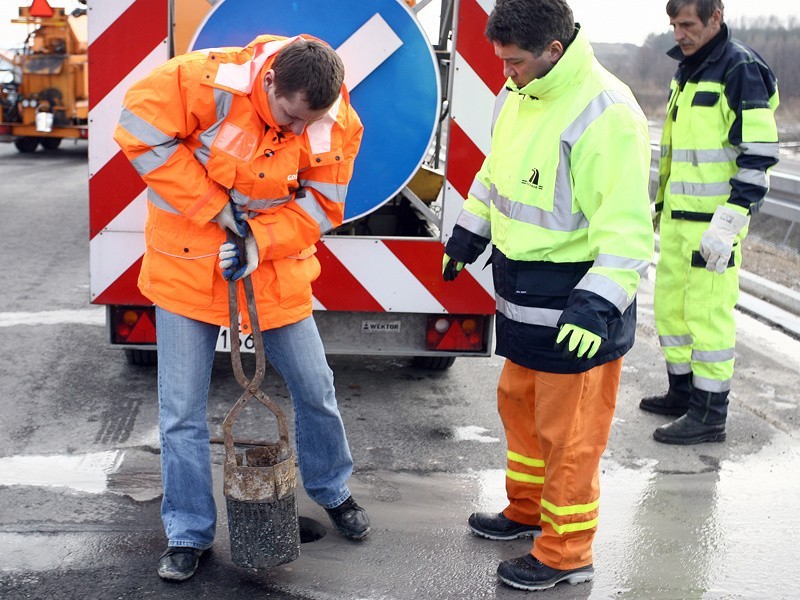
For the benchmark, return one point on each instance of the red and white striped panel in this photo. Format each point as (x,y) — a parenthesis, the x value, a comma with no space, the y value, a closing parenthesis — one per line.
(128,38)
(477,77)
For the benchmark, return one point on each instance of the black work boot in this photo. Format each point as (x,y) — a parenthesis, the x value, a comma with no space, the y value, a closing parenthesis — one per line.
(496,526)
(675,402)
(178,563)
(686,430)
(704,421)
(350,519)
(528,573)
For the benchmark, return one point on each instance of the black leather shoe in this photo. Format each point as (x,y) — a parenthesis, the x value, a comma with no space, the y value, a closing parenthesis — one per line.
(686,430)
(528,573)
(350,519)
(671,404)
(496,526)
(178,563)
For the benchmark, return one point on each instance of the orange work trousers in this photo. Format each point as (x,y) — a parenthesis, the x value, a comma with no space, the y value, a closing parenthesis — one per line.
(557,427)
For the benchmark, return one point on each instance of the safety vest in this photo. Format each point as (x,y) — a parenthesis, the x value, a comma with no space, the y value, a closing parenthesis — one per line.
(199,130)
(719,138)
(563,196)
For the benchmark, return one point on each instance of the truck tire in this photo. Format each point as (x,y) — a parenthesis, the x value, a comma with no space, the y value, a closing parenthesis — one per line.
(50,143)
(433,363)
(26,144)
(141,358)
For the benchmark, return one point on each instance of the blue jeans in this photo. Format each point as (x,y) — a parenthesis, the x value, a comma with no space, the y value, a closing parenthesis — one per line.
(185,357)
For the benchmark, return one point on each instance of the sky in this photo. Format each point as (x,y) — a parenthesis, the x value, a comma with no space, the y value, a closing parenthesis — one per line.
(628,21)
(632,21)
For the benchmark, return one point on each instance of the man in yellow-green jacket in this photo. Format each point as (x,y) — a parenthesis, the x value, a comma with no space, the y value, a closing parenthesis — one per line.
(563,198)
(719,141)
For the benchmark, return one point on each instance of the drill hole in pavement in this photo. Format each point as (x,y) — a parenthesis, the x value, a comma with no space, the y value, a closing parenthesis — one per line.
(310,530)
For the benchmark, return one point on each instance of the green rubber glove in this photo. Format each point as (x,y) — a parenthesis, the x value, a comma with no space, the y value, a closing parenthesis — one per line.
(577,342)
(450,268)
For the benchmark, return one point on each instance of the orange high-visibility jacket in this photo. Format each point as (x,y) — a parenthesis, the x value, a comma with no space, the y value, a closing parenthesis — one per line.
(199,130)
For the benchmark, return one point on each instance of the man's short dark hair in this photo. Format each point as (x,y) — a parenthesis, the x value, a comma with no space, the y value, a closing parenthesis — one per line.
(531,24)
(310,67)
(704,8)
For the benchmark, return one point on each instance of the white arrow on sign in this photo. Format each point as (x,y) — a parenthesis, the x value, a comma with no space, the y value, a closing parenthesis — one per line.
(365,50)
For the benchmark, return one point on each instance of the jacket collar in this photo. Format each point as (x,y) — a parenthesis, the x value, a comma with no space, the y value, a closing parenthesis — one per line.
(569,70)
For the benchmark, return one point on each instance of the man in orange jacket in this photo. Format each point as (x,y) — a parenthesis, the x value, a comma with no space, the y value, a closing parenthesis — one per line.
(259,141)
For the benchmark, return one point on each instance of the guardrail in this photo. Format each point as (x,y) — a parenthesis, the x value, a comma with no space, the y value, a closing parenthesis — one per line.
(782,201)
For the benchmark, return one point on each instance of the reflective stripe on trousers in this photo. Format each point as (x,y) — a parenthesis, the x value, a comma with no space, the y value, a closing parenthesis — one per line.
(553,457)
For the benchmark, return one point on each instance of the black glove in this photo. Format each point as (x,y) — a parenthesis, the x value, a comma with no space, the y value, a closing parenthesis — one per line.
(451,268)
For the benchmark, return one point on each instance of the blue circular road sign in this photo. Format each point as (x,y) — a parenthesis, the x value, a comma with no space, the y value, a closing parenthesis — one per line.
(392,77)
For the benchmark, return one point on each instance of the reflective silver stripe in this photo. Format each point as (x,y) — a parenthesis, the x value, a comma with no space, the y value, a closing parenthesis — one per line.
(260,204)
(618,262)
(696,157)
(498,105)
(311,206)
(711,385)
(265,204)
(769,149)
(679,368)
(474,224)
(538,216)
(753,177)
(670,341)
(712,356)
(480,191)
(607,288)
(333,191)
(158,201)
(547,317)
(699,189)
(223,101)
(149,161)
(665,150)
(141,129)
(562,191)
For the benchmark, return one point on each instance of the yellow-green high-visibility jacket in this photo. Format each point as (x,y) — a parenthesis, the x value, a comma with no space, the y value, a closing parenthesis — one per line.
(563,196)
(720,137)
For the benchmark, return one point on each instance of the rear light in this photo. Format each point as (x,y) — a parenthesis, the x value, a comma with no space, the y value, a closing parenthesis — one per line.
(5,129)
(455,332)
(133,325)
(84,133)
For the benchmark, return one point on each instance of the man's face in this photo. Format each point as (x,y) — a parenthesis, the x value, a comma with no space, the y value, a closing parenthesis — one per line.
(523,66)
(690,33)
(291,113)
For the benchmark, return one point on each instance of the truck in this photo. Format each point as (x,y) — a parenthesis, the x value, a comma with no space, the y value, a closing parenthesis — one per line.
(426,108)
(45,98)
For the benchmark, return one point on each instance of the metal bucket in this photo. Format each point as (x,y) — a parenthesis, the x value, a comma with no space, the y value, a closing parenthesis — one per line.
(259,486)
(259,482)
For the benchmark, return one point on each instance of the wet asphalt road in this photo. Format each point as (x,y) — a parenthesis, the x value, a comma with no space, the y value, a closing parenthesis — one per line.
(79,471)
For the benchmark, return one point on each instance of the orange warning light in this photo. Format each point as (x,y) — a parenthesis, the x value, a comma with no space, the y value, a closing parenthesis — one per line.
(40,8)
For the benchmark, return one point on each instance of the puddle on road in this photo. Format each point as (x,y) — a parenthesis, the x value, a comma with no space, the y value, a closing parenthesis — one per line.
(83,473)
(473,433)
(724,533)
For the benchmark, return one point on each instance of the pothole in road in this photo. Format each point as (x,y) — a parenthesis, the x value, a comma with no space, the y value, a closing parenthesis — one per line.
(310,530)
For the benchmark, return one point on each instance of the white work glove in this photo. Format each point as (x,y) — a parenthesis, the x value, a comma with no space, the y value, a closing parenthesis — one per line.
(232,264)
(232,218)
(716,244)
